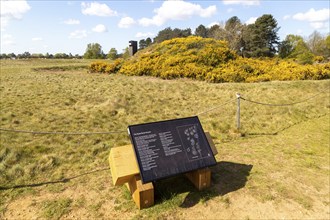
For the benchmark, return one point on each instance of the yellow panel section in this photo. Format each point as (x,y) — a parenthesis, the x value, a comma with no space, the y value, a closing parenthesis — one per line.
(123,164)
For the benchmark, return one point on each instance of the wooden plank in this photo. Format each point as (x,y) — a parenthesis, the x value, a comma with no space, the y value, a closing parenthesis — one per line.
(143,194)
(200,178)
(123,164)
(211,143)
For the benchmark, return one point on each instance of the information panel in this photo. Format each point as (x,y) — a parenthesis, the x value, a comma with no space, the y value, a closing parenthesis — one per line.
(167,148)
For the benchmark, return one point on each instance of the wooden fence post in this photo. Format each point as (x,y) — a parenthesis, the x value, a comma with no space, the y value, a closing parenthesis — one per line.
(238,114)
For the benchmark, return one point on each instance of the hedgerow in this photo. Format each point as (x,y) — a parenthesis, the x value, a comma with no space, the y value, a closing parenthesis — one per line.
(211,60)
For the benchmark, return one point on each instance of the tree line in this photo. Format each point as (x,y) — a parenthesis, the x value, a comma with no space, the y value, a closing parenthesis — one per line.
(27,55)
(259,39)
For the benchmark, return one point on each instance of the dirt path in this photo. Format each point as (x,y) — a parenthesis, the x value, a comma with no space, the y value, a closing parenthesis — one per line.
(247,207)
(101,201)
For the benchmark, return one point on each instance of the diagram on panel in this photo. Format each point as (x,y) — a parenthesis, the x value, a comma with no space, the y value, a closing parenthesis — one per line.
(190,138)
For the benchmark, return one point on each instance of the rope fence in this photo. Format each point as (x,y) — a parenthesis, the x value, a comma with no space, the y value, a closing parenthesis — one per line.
(238,96)
(214,108)
(286,104)
(59,132)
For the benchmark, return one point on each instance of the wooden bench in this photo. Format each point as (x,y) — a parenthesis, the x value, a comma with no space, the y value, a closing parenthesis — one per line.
(124,170)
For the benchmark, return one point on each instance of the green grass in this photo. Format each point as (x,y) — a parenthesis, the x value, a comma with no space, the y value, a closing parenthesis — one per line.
(286,146)
(54,209)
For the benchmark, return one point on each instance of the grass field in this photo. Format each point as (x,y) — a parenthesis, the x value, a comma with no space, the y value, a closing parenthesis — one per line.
(276,166)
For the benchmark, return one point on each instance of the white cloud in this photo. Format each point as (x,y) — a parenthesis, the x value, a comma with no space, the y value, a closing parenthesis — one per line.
(126,22)
(142,35)
(78,34)
(213,23)
(320,25)
(10,10)
(37,39)
(229,10)
(177,10)
(100,28)
(72,21)
(286,17)
(251,20)
(14,9)
(241,2)
(70,3)
(4,21)
(317,19)
(97,9)
(7,40)
(313,16)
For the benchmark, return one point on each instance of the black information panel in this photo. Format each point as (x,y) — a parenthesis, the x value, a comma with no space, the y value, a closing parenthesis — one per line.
(167,148)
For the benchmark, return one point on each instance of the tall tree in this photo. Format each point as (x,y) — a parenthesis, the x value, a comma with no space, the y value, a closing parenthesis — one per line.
(248,40)
(317,44)
(261,38)
(234,36)
(125,54)
(296,48)
(94,51)
(182,32)
(168,34)
(201,31)
(113,54)
(142,44)
(217,31)
(163,35)
(148,41)
(327,44)
(11,56)
(24,55)
(288,47)
(285,49)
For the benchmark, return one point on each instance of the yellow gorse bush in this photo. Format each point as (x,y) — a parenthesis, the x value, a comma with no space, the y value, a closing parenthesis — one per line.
(211,60)
(105,67)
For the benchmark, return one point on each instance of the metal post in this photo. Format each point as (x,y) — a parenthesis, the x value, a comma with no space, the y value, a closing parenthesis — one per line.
(238,122)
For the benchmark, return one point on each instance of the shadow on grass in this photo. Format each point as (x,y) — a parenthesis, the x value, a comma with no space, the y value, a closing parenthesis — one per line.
(226,177)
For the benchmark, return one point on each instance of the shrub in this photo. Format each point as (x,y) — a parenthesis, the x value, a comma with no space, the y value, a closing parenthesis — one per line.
(211,60)
(105,67)
(318,59)
(97,67)
(180,57)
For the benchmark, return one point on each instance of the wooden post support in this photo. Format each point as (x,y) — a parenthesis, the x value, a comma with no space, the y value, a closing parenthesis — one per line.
(143,194)
(200,178)
(123,165)
(124,169)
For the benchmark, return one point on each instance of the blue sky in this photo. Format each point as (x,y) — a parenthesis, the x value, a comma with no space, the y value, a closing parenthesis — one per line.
(68,26)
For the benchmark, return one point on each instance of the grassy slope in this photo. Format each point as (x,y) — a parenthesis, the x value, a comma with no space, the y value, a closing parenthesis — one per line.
(48,100)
